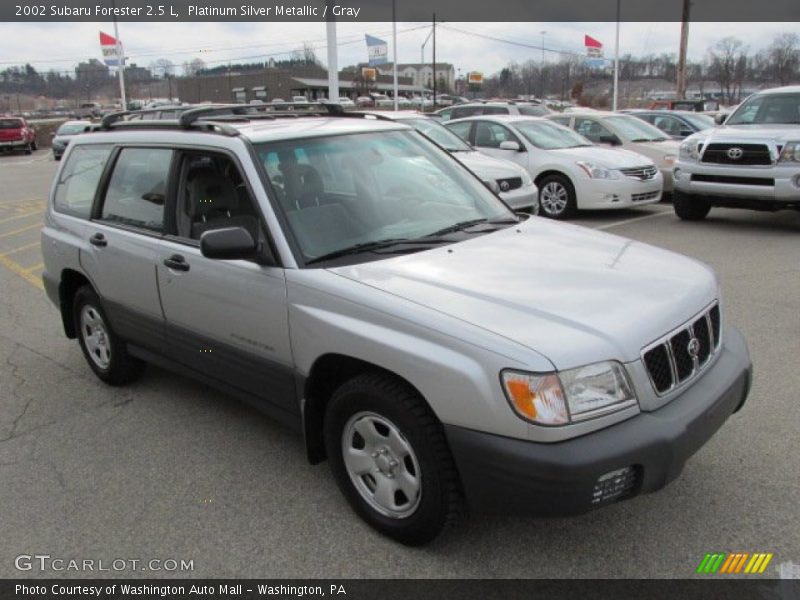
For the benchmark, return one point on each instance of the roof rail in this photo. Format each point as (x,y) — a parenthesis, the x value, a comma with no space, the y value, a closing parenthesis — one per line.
(166,124)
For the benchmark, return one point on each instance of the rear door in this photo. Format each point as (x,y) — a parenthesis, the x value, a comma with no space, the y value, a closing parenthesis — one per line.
(123,241)
(227,319)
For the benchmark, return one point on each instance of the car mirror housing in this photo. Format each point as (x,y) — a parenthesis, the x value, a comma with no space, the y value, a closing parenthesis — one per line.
(510,145)
(610,139)
(228,243)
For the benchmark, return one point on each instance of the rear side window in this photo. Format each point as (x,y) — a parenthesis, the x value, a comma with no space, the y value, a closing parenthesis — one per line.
(10,123)
(79,178)
(461,129)
(495,110)
(137,191)
(466,111)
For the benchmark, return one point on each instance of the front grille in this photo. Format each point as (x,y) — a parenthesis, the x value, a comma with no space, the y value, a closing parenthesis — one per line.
(510,183)
(682,354)
(641,173)
(751,154)
(644,196)
(765,181)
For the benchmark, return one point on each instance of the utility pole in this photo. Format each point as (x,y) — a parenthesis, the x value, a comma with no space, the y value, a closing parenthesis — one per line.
(541,70)
(394,52)
(681,83)
(333,59)
(434,60)
(616,61)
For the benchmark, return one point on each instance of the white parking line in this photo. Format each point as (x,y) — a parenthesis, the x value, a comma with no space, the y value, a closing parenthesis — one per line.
(660,213)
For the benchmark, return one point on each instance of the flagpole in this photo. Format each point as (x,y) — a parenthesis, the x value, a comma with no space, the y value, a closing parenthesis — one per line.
(120,59)
(394,52)
(333,66)
(616,61)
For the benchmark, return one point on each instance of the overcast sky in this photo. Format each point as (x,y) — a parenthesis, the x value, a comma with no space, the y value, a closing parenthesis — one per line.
(61,45)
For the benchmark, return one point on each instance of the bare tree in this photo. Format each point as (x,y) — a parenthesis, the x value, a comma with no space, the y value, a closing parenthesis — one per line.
(192,67)
(783,57)
(163,66)
(725,64)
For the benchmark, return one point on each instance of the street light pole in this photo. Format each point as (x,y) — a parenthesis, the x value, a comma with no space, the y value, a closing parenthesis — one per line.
(120,60)
(616,62)
(422,63)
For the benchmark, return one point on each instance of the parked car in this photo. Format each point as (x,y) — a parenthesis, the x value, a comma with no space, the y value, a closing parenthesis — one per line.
(345,101)
(16,134)
(685,105)
(752,161)
(365,101)
(507,179)
(64,134)
(164,111)
(381,100)
(677,124)
(492,108)
(301,99)
(628,132)
(440,353)
(570,172)
(88,110)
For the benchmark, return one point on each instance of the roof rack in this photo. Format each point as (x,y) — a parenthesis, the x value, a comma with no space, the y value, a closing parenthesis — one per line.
(164,124)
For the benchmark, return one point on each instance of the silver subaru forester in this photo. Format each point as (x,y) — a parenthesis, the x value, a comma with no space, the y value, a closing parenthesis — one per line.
(353,280)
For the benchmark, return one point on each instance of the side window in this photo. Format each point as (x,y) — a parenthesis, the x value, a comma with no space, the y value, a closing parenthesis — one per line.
(213,194)
(466,111)
(591,129)
(495,110)
(461,129)
(137,191)
(562,121)
(669,125)
(78,183)
(445,114)
(490,135)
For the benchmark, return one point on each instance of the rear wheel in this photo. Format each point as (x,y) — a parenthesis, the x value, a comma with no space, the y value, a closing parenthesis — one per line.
(557,197)
(34,146)
(104,350)
(28,149)
(390,458)
(690,208)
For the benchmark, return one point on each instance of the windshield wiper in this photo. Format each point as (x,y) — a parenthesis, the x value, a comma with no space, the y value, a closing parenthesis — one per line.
(372,246)
(467,224)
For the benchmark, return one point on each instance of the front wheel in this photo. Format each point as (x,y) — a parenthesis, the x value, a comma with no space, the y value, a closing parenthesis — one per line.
(557,197)
(690,208)
(104,350)
(390,458)
(34,146)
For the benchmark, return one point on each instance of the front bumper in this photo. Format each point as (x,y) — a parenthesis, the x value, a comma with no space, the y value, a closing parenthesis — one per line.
(14,144)
(522,198)
(508,475)
(771,183)
(617,193)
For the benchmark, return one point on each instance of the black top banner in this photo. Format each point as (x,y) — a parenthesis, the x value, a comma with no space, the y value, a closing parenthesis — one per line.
(405,10)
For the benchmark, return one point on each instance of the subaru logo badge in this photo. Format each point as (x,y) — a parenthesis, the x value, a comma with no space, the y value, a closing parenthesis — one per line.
(693,348)
(735,153)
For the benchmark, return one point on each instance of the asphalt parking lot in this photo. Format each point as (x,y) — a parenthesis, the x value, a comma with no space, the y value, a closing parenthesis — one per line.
(170,469)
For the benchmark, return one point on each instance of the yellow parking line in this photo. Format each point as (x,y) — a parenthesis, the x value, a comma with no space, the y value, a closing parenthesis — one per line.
(20,230)
(19,270)
(22,216)
(34,268)
(21,248)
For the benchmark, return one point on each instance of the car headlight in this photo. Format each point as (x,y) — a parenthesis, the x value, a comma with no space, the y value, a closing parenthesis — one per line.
(690,149)
(790,153)
(569,396)
(596,171)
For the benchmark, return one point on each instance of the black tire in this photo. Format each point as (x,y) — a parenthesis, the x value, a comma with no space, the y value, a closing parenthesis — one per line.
(688,207)
(440,500)
(28,150)
(121,368)
(34,146)
(551,184)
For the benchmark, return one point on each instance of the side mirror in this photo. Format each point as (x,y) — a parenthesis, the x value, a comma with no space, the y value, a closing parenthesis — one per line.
(229,243)
(610,139)
(719,118)
(686,132)
(510,145)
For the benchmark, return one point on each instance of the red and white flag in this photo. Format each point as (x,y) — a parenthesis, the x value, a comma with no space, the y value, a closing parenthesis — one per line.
(594,48)
(108,46)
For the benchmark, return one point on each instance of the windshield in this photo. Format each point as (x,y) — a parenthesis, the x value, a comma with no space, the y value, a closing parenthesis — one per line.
(772,108)
(439,134)
(71,128)
(550,136)
(342,191)
(633,129)
(700,121)
(10,123)
(533,110)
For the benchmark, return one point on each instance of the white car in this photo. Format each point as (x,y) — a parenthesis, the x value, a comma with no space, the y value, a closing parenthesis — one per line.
(506,179)
(345,101)
(628,132)
(570,172)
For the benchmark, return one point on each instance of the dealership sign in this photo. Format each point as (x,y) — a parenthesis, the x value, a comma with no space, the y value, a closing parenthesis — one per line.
(475,77)
(110,49)
(594,52)
(377,49)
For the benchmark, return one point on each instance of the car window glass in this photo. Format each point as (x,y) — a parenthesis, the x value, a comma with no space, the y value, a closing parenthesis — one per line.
(461,129)
(533,111)
(79,178)
(591,129)
(495,110)
(669,125)
(466,111)
(445,114)
(213,194)
(137,190)
(490,135)
(562,121)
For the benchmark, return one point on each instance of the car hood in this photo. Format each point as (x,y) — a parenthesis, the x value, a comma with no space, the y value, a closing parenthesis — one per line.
(767,132)
(487,167)
(570,293)
(656,150)
(610,158)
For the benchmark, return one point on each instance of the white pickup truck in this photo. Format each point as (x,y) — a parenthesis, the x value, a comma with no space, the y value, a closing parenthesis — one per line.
(752,161)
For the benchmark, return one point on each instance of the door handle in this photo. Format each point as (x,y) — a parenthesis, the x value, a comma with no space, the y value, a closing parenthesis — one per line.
(99,240)
(177,262)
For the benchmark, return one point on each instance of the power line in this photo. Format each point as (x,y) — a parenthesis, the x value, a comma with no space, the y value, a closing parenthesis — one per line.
(512,42)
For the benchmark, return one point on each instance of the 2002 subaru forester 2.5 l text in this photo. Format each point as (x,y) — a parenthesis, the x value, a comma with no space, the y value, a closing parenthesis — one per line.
(355,281)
